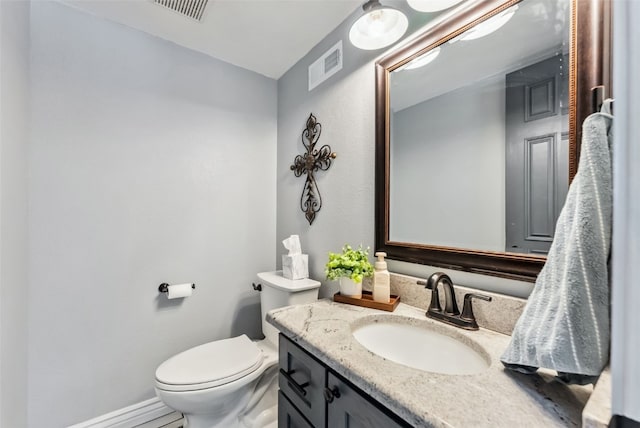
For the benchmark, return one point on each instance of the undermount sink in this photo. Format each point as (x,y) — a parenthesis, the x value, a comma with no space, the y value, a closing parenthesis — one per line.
(421,347)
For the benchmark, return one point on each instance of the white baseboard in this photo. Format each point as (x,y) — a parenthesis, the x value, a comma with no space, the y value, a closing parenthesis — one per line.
(129,417)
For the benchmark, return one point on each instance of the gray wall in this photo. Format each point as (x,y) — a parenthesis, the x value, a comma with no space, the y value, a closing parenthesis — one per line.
(344,110)
(14,135)
(149,163)
(448,169)
(344,105)
(625,323)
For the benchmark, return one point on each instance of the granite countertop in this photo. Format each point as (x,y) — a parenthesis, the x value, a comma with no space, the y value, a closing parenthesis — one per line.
(492,398)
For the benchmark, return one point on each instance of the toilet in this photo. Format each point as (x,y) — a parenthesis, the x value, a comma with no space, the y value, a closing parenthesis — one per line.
(233,382)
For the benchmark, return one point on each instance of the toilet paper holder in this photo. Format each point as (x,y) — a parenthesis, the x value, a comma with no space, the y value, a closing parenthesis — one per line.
(164,287)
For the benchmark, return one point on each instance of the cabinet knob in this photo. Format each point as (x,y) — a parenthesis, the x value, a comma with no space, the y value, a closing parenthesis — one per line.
(330,394)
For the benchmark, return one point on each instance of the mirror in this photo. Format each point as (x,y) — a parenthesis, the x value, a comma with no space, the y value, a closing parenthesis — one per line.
(476,135)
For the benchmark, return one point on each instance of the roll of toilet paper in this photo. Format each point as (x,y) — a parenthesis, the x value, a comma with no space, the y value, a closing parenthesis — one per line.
(176,291)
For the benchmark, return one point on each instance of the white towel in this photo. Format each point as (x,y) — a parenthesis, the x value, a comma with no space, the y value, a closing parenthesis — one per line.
(565,324)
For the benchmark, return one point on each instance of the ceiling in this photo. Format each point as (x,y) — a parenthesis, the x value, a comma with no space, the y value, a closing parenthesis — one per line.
(265,36)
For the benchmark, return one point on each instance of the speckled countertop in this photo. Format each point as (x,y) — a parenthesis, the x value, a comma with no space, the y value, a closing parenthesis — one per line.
(492,398)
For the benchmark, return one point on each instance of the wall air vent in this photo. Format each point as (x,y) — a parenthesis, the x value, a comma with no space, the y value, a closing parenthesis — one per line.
(326,66)
(191,8)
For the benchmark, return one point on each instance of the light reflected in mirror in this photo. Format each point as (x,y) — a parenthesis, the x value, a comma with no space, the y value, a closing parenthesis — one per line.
(489,26)
(422,60)
(479,135)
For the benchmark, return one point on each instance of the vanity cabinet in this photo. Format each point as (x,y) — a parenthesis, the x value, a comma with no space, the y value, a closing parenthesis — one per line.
(313,396)
(302,380)
(288,415)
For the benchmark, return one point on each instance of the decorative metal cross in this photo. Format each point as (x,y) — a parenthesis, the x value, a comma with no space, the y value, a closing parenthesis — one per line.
(310,162)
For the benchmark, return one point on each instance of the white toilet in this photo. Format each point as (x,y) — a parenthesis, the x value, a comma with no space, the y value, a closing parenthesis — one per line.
(233,382)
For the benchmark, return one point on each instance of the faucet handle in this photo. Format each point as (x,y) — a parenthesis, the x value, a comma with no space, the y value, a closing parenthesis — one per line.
(435,297)
(467,308)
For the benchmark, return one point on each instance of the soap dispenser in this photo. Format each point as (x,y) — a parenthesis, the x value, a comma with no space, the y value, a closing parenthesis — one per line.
(381,280)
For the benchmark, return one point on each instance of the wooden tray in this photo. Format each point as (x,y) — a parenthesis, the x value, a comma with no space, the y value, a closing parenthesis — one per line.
(367,301)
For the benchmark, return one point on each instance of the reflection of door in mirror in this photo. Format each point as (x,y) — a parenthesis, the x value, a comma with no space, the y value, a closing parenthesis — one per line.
(537,153)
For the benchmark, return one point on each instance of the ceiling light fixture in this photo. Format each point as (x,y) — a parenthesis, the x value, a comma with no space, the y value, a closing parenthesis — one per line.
(490,25)
(422,60)
(432,5)
(380,26)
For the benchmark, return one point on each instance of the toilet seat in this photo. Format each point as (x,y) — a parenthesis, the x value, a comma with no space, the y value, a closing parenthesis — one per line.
(210,365)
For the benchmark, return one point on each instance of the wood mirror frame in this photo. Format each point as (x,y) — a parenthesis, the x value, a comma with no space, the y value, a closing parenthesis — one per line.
(589,68)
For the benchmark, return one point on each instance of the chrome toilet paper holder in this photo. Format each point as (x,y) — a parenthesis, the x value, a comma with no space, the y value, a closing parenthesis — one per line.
(164,287)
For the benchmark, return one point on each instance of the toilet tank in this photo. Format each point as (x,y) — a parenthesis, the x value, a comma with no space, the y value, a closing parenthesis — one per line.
(278,292)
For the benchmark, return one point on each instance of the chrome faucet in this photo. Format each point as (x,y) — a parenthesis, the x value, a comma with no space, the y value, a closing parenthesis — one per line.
(451,314)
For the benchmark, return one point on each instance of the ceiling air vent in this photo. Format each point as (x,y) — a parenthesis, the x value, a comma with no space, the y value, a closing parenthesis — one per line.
(191,8)
(326,66)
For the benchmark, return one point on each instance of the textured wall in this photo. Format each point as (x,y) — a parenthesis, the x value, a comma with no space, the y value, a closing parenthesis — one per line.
(625,341)
(14,136)
(344,110)
(149,163)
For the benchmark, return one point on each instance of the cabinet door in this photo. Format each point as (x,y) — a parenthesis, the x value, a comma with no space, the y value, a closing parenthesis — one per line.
(349,409)
(288,416)
(302,380)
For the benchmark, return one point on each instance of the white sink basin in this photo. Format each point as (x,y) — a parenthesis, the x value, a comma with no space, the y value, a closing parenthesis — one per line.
(421,347)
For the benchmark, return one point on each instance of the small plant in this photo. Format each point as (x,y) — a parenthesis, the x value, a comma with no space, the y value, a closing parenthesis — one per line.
(350,263)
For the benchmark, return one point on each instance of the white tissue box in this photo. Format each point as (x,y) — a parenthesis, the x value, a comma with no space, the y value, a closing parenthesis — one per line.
(295,266)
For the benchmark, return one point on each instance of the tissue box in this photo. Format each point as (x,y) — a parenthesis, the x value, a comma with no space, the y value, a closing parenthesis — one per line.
(295,266)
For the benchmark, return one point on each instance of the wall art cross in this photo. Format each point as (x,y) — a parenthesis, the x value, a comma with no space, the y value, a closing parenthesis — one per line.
(309,163)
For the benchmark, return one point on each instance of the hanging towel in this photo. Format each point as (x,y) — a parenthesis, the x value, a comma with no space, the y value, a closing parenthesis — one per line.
(565,324)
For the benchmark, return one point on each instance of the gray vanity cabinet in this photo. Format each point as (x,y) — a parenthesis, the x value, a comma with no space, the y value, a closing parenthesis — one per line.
(352,409)
(288,415)
(311,395)
(302,379)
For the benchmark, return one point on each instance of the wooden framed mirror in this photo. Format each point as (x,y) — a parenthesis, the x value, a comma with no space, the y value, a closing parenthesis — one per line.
(475,149)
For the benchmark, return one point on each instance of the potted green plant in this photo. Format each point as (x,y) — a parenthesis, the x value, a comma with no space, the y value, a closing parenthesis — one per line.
(350,267)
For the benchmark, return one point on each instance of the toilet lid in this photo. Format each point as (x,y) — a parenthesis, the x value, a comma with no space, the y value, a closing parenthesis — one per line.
(211,364)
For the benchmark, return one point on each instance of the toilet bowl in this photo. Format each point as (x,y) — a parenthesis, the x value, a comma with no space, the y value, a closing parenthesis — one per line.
(213,383)
(233,382)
